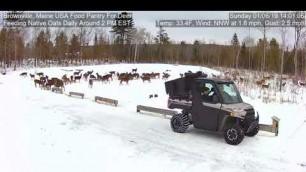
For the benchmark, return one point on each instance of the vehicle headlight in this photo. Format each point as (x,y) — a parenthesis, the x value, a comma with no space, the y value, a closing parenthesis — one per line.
(238,113)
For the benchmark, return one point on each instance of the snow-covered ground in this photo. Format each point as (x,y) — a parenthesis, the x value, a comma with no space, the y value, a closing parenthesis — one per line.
(43,131)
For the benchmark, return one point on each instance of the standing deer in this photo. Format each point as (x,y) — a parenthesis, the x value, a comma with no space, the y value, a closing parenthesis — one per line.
(145,78)
(32,76)
(90,83)
(24,74)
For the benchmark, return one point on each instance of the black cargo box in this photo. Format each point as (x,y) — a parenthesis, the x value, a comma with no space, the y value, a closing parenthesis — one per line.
(181,87)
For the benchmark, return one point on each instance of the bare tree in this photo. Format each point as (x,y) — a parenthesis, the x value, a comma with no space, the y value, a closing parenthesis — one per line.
(85,35)
(298,32)
(138,38)
(283,31)
(264,30)
(250,43)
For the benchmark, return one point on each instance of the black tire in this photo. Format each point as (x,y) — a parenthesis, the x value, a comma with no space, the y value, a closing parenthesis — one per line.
(179,123)
(233,134)
(253,132)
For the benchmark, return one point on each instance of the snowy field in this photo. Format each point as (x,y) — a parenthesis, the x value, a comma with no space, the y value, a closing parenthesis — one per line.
(43,131)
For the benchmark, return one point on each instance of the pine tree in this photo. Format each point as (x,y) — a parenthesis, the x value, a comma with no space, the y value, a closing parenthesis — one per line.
(61,44)
(123,26)
(74,47)
(243,56)
(236,49)
(273,61)
(235,41)
(122,31)
(39,45)
(96,47)
(196,52)
(161,39)
(182,54)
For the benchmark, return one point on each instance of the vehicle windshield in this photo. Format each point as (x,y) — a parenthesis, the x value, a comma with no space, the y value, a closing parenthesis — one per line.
(229,93)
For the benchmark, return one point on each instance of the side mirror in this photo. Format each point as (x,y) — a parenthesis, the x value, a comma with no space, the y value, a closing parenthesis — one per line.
(215,99)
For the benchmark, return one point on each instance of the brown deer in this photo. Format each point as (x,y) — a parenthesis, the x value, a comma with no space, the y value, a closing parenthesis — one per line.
(90,72)
(66,80)
(72,79)
(135,75)
(266,86)
(261,82)
(32,76)
(92,77)
(145,78)
(59,83)
(165,76)
(99,77)
(49,83)
(109,76)
(44,79)
(77,73)
(85,76)
(105,78)
(241,79)
(40,74)
(124,79)
(154,75)
(39,82)
(134,70)
(78,78)
(24,74)
(90,83)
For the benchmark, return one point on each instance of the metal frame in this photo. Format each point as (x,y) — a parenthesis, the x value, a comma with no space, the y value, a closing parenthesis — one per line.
(274,128)
(76,94)
(106,100)
(164,112)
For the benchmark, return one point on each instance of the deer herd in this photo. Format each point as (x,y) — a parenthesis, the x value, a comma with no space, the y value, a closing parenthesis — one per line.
(260,80)
(44,82)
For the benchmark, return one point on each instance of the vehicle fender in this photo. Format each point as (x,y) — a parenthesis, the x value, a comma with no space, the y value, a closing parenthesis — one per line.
(228,120)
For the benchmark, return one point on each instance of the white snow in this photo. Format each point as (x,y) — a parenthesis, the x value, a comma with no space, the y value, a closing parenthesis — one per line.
(43,131)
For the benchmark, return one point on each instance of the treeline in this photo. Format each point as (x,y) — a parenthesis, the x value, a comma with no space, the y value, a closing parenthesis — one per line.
(130,44)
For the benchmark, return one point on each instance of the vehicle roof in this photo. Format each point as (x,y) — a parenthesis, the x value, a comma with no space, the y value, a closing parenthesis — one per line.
(219,81)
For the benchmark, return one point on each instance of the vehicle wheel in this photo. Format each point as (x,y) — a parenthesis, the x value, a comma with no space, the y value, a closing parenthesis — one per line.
(233,134)
(179,123)
(253,132)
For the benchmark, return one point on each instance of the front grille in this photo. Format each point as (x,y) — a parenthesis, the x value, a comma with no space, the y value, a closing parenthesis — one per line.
(249,118)
(250,113)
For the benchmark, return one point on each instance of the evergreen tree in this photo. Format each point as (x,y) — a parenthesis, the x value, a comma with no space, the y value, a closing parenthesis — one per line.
(39,45)
(273,60)
(235,41)
(236,49)
(162,37)
(122,28)
(196,52)
(182,56)
(96,46)
(243,56)
(74,47)
(61,45)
